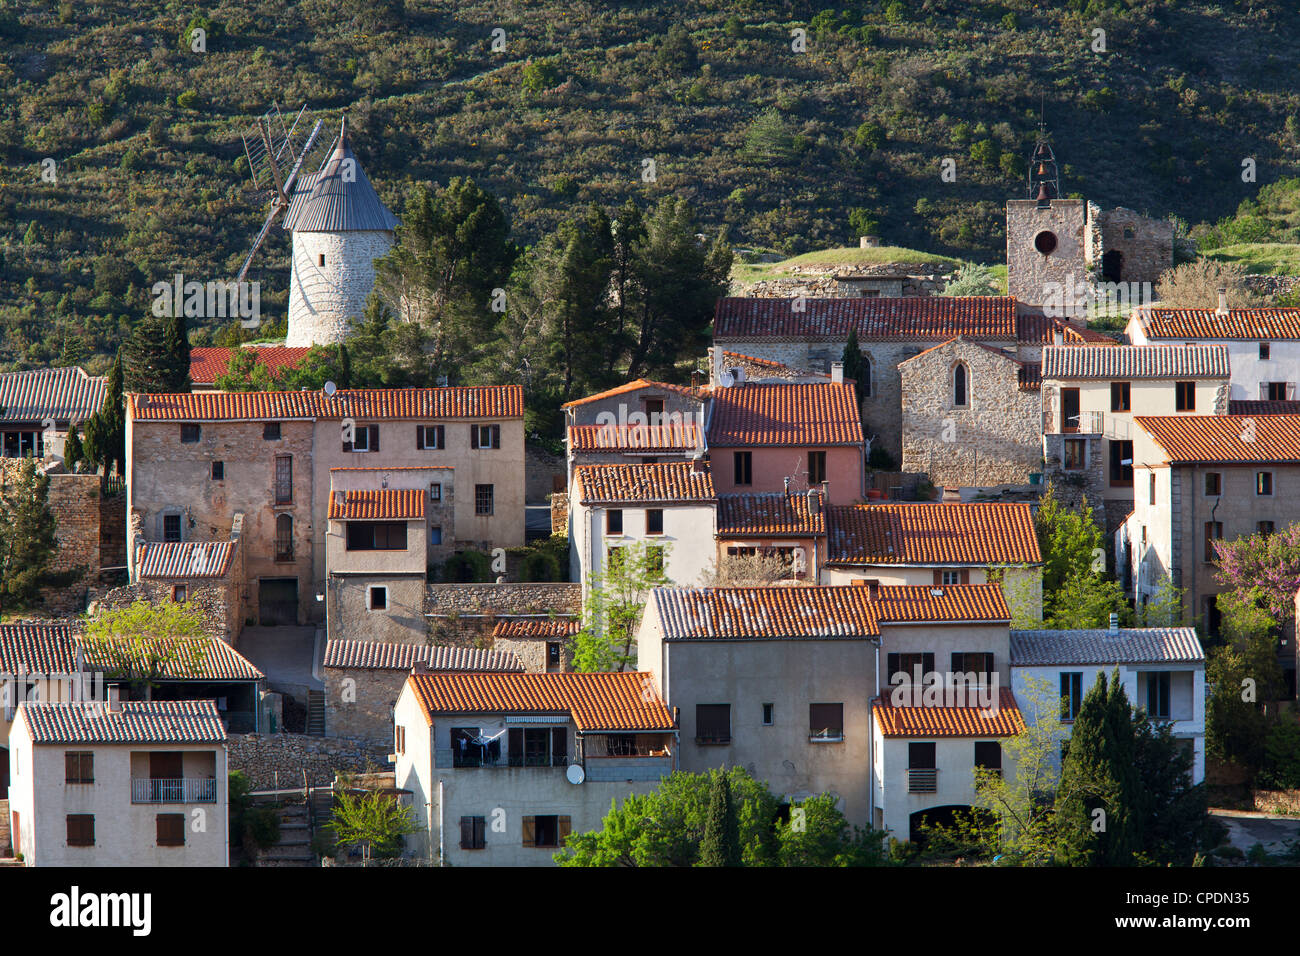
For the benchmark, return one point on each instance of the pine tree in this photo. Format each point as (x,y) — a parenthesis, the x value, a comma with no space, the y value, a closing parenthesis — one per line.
(156,356)
(26,536)
(73,453)
(106,429)
(721,843)
(178,345)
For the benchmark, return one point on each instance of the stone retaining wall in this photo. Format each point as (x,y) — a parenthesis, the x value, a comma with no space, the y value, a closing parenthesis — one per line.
(262,756)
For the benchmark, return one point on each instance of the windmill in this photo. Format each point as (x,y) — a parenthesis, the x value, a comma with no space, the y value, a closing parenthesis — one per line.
(269,147)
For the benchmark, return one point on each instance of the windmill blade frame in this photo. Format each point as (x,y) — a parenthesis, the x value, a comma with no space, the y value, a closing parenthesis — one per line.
(284,192)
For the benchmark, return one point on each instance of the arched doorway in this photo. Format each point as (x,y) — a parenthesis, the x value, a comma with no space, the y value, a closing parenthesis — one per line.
(936,817)
(1112,266)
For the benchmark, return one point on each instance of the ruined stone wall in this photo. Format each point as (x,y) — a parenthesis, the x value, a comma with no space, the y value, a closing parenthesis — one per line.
(282,760)
(541,468)
(1146,246)
(220,603)
(994,439)
(358,702)
(465,614)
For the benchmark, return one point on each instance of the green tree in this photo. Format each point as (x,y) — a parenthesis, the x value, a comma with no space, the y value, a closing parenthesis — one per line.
(855,367)
(537,77)
(971,279)
(818,835)
(1071,541)
(615,600)
(1242,674)
(374,821)
(1175,821)
(73,453)
(143,641)
(156,356)
(1085,600)
(677,53)
(27,543)
(720,845)
(1164,608)
(106,430)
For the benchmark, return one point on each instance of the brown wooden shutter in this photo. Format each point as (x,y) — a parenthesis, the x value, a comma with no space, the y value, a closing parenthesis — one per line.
(467,833)
(419,436)
(529,830)
(496,436)
(71,767)
(473,436)
(965,577)
(565,827)
(559,743)
(938,578)
(374,437)
(442,436)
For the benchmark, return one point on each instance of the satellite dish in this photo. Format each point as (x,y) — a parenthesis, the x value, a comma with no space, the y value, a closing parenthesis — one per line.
(728,378)
(575,774)
(330,389)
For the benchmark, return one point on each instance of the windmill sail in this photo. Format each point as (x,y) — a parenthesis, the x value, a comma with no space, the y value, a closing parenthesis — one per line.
(284,191)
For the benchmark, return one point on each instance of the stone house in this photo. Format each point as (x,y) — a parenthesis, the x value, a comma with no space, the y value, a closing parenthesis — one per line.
(1263,344)
(38,407)
(971,415)
(791,525)
(201,464)
(208,573)
(1162,670)
(1089,398)
(364,678)
(639,422)
(542,645)
(119,784)
(505,766)
(670,507)
(812,333)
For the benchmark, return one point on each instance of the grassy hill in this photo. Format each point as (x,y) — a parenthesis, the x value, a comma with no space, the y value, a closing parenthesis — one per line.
(778,146)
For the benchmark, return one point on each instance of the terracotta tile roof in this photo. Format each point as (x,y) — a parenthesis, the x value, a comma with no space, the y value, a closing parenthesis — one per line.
(199,658)
(60,393)
(1003,720)
(601,701)
(1225,438)
(1031,376)
(672,437)
(1262,407)
(477,401)
(382,656)
(1273,324)
(746,516)
(823,414)
(635,385)
(37,649)
(1038,329)
(761,368)
(668,483)
(932,534)
(387,504)
(1131,645)
(184,559)
(207,364)
(536,629)
(138,722)
(1136,361)
(817,613)
(876,319)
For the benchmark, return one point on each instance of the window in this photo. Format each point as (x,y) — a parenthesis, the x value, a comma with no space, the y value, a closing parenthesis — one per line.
(1213,532)
(1265,528)
(399,740)
(1185,396)
(218,471)
(190,434)
(1045,242)
(973,662)
(171,527)
(321,259)
(473,833)
(1158,694)
(1151,488)
(483,499)
(552,653)
(78,767)
(988,756)
(539,746)
(1071,694)
(654,410)
(283,479)
(867,370)
(613,558)
(614,521)
(284,538)
(654,521)
(1076,454)
(378,599)
(1069,410)
(712,723)
(180,593)
(922,776)
(171,829)
(654,559)
(271,431)
(769,713)
(1263,482)
(485,436)
(1120,397)
(376,535)
(430,437)
(816,467)
(435,534)
(364,438)
(743,467)
(548,831)
(435,491)
(1128,232)
(1121,463)
(906,664)
(959,385)
(825,721)
(946,578)
(1213,484)
(81,829)
(1263,350)
(1277,391)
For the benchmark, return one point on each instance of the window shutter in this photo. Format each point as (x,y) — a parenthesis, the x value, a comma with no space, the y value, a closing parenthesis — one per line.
(965,577)
(467,833)
(516,744)
(927,663)
(442,436)
(473,436)
(560,742)
(938,578)
(374,437)
(1290,391)
(71,767)
(496,436)
(1263,391)
(891,664)
(480,833)
(565,826)
(529,828)
(347,446)
(419,436)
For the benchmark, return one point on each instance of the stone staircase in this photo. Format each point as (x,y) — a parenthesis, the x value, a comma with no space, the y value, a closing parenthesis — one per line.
(294,847)
(316,713)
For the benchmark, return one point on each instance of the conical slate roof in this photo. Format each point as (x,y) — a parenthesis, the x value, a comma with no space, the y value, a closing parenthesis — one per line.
(325,202)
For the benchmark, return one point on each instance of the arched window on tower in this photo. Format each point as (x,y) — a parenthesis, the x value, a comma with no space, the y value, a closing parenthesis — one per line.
(960,386)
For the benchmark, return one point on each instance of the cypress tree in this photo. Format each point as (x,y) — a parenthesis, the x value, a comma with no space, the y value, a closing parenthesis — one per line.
(26,536)
(721,843)
(72,450)
(854,367)
(156,356)
(106,429)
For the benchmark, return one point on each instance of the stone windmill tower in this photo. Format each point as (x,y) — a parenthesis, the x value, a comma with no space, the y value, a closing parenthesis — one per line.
(339,227)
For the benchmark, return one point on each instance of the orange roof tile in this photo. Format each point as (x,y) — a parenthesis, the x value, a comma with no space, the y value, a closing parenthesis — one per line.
(535,628)
(820,414)
(1159,323)
(933,534)
(633,386)
(1002,720)
(477,401)
(672,437)
(909,318)
(670,483)
(602,701)
(388,504)
(748,516)
(208,364)
(916,604)
(1225,438)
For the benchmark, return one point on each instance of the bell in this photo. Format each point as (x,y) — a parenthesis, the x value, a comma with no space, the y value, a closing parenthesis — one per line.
(1042,169)
(1044,192)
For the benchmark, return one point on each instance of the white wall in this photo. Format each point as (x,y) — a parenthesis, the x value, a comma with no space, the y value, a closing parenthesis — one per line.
(688,536)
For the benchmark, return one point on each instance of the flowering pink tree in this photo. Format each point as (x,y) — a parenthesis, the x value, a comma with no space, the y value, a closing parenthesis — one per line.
(1263,570)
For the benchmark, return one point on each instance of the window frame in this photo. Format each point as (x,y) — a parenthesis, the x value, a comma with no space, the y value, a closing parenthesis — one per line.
(1217,484)
(959,386)
(1121,396)
(191,433)
(484,493)
(218,471)
(659,513)
(613,525)
(717,738)
(1071,696)
(374,590)
(271,431)
(826,722)
(175,822)
(83,820)
(75,765)
(742,469)
(816,467)
(1264,479)
(1184,396)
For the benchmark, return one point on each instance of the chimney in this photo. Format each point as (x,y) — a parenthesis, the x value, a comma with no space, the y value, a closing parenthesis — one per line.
(420,667)
(837,373)
(1223,303)
(695,378)
(1113,630)
(115,699)
(873,590)
(814,502)
(1058,336)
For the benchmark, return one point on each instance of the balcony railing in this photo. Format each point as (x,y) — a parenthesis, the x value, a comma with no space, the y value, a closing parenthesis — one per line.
(448,758)
(922,780)
(173,790)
